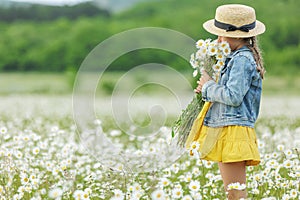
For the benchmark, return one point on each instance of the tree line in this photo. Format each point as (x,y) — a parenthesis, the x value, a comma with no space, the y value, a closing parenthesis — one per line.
(60,42)
(38,13)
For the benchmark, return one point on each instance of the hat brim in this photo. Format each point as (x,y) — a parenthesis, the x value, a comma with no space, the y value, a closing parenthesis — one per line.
(211,28)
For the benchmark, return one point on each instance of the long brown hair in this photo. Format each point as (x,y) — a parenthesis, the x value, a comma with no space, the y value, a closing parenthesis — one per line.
(252,44)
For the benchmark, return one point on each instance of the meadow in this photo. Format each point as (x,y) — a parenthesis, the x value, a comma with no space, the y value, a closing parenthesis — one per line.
(126,151)
(43,156)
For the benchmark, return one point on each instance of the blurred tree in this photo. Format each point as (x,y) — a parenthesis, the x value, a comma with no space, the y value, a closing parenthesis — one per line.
(47,13)
(49,39)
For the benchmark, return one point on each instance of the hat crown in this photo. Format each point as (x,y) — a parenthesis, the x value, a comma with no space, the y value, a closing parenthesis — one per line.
(235,14)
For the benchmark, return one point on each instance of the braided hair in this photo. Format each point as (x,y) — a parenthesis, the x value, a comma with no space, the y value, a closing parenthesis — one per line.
(252,44)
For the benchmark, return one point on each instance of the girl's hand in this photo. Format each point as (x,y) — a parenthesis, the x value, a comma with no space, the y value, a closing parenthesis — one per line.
(203,79)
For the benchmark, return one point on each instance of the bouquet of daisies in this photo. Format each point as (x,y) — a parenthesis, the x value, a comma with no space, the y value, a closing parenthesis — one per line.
(210,56)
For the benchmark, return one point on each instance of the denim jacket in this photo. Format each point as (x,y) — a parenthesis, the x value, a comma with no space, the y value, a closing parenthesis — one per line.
(236,96)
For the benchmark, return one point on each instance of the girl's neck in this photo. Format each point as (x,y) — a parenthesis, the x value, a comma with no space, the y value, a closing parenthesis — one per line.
(238,46)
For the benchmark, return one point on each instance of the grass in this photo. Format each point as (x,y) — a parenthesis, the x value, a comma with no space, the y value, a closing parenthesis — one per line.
(62,83)
(36,83)
(284,85)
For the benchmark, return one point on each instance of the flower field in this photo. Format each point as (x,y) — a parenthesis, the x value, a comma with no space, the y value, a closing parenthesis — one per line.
(42,157)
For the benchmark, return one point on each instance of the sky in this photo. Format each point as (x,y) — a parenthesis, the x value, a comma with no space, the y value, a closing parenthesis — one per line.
(53,2)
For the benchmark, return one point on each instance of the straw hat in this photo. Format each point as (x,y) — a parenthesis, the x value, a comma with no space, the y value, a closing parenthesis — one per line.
(235,20)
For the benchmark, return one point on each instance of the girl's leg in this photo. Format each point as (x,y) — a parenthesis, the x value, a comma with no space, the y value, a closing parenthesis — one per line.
(234,173)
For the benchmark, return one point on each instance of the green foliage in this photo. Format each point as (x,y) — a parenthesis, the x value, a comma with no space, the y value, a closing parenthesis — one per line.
(108,87)
(55,43)
(36,12)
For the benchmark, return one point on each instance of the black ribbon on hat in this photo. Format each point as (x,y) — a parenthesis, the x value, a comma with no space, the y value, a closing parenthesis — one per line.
(230,27)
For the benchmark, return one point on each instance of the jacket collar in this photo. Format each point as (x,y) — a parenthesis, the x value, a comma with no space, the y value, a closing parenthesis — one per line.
(233,53)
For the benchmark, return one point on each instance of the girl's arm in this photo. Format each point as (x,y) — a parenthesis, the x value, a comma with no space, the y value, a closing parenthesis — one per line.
(233,88)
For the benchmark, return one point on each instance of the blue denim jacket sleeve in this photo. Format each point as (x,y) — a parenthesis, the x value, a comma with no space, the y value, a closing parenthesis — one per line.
(236,96)
(232,86)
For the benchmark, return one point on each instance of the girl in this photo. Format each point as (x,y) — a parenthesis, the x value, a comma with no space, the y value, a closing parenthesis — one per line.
(226,132)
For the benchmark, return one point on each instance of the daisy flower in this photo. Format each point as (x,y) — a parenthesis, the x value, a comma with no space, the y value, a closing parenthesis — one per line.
(208,42)
(272,164)
(97,122)
(164,182)
(3,130)
(293,193)
(194,186)
(187,197)
(280,147)
(236,186)
(275,155)
(194,63)
(77,194)
(26,138)
(151,149)
(255,191)
(8,154)
(115,133)
(209,176)
(200,44)
(24,179)
(226,51)
(194,154)
(224,46)
(197,195)
(220,56)
(158,195)
(212,50)
(130,188)
(36,150)
(269,198)
(177,193)
(136,195)
(196,171)
(18,154)
(201,53)
(199,162)
(288,153)
(118,194)
(55,193)
(220,63)
(18,196)
(217,67)
(288,164)
(207,164)
(188,177)
(175,168)
(261,144)
(119,167)
(195,146)
(285,197)
(85,195)
(137,187)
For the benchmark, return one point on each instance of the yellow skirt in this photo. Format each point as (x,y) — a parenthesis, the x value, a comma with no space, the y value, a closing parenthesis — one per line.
(224,144)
